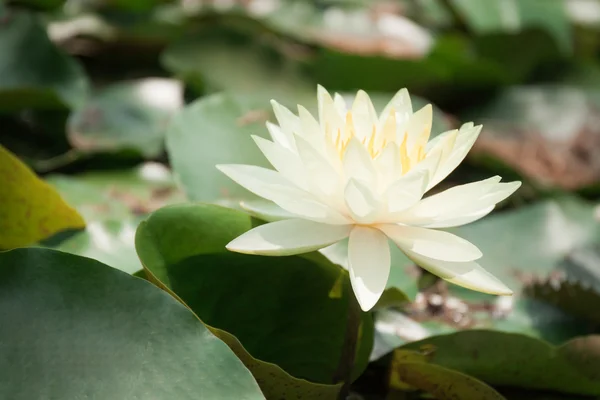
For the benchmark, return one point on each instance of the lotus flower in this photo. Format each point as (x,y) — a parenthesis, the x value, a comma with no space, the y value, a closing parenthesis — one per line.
(360,175)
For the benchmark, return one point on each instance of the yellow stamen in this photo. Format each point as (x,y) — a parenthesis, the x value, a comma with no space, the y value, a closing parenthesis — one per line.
(370,147)
(404,160)
(420,154)
(337,139)
(388,133)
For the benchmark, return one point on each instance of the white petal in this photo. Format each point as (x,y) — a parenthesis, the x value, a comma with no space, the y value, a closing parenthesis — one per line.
(311,131)
(260,181)
(460,220)
(321,174)
(364,116)
(463,202)
(280,137)
(388,165)
(329,117)
(401,104)
(360,201)
(266,210)
(313,210)
(358,163)
(418,128)
(288,121)
(437,155)
(465,140)
(272,186)
(466,274)
(369,264)
(431,243)
(283,160)
(292,236)
(340,104)
(407,190)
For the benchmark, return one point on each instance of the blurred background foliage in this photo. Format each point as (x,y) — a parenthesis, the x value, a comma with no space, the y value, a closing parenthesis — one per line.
(125,106)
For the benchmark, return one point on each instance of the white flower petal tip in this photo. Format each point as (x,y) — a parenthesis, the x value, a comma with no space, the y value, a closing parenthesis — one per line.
(434,244)
(369,264)
(466,274)
(482,281)
(288,237)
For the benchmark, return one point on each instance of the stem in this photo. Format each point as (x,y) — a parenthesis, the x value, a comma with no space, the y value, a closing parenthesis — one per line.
(344,368)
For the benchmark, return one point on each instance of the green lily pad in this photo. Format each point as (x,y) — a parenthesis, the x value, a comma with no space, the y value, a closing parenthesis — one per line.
(132,115)
(35,73)
(74,326)
(216,130)
(443,383)
(504,359)
(282,309)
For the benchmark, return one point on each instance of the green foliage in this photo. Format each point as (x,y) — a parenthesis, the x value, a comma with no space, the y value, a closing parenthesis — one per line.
(117,111)
(516,360)
(136,340)
(441,382)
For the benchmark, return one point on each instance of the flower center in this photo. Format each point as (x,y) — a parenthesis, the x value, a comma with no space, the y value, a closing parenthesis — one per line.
(378,139)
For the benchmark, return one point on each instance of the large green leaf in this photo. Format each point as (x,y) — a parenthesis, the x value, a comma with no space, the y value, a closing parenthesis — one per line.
(34,72)
(504,359)
(73,327)
(283,310)
(412,369)
(131,115)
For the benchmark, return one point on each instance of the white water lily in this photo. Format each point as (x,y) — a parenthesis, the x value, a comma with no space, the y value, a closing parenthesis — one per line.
(360,175)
